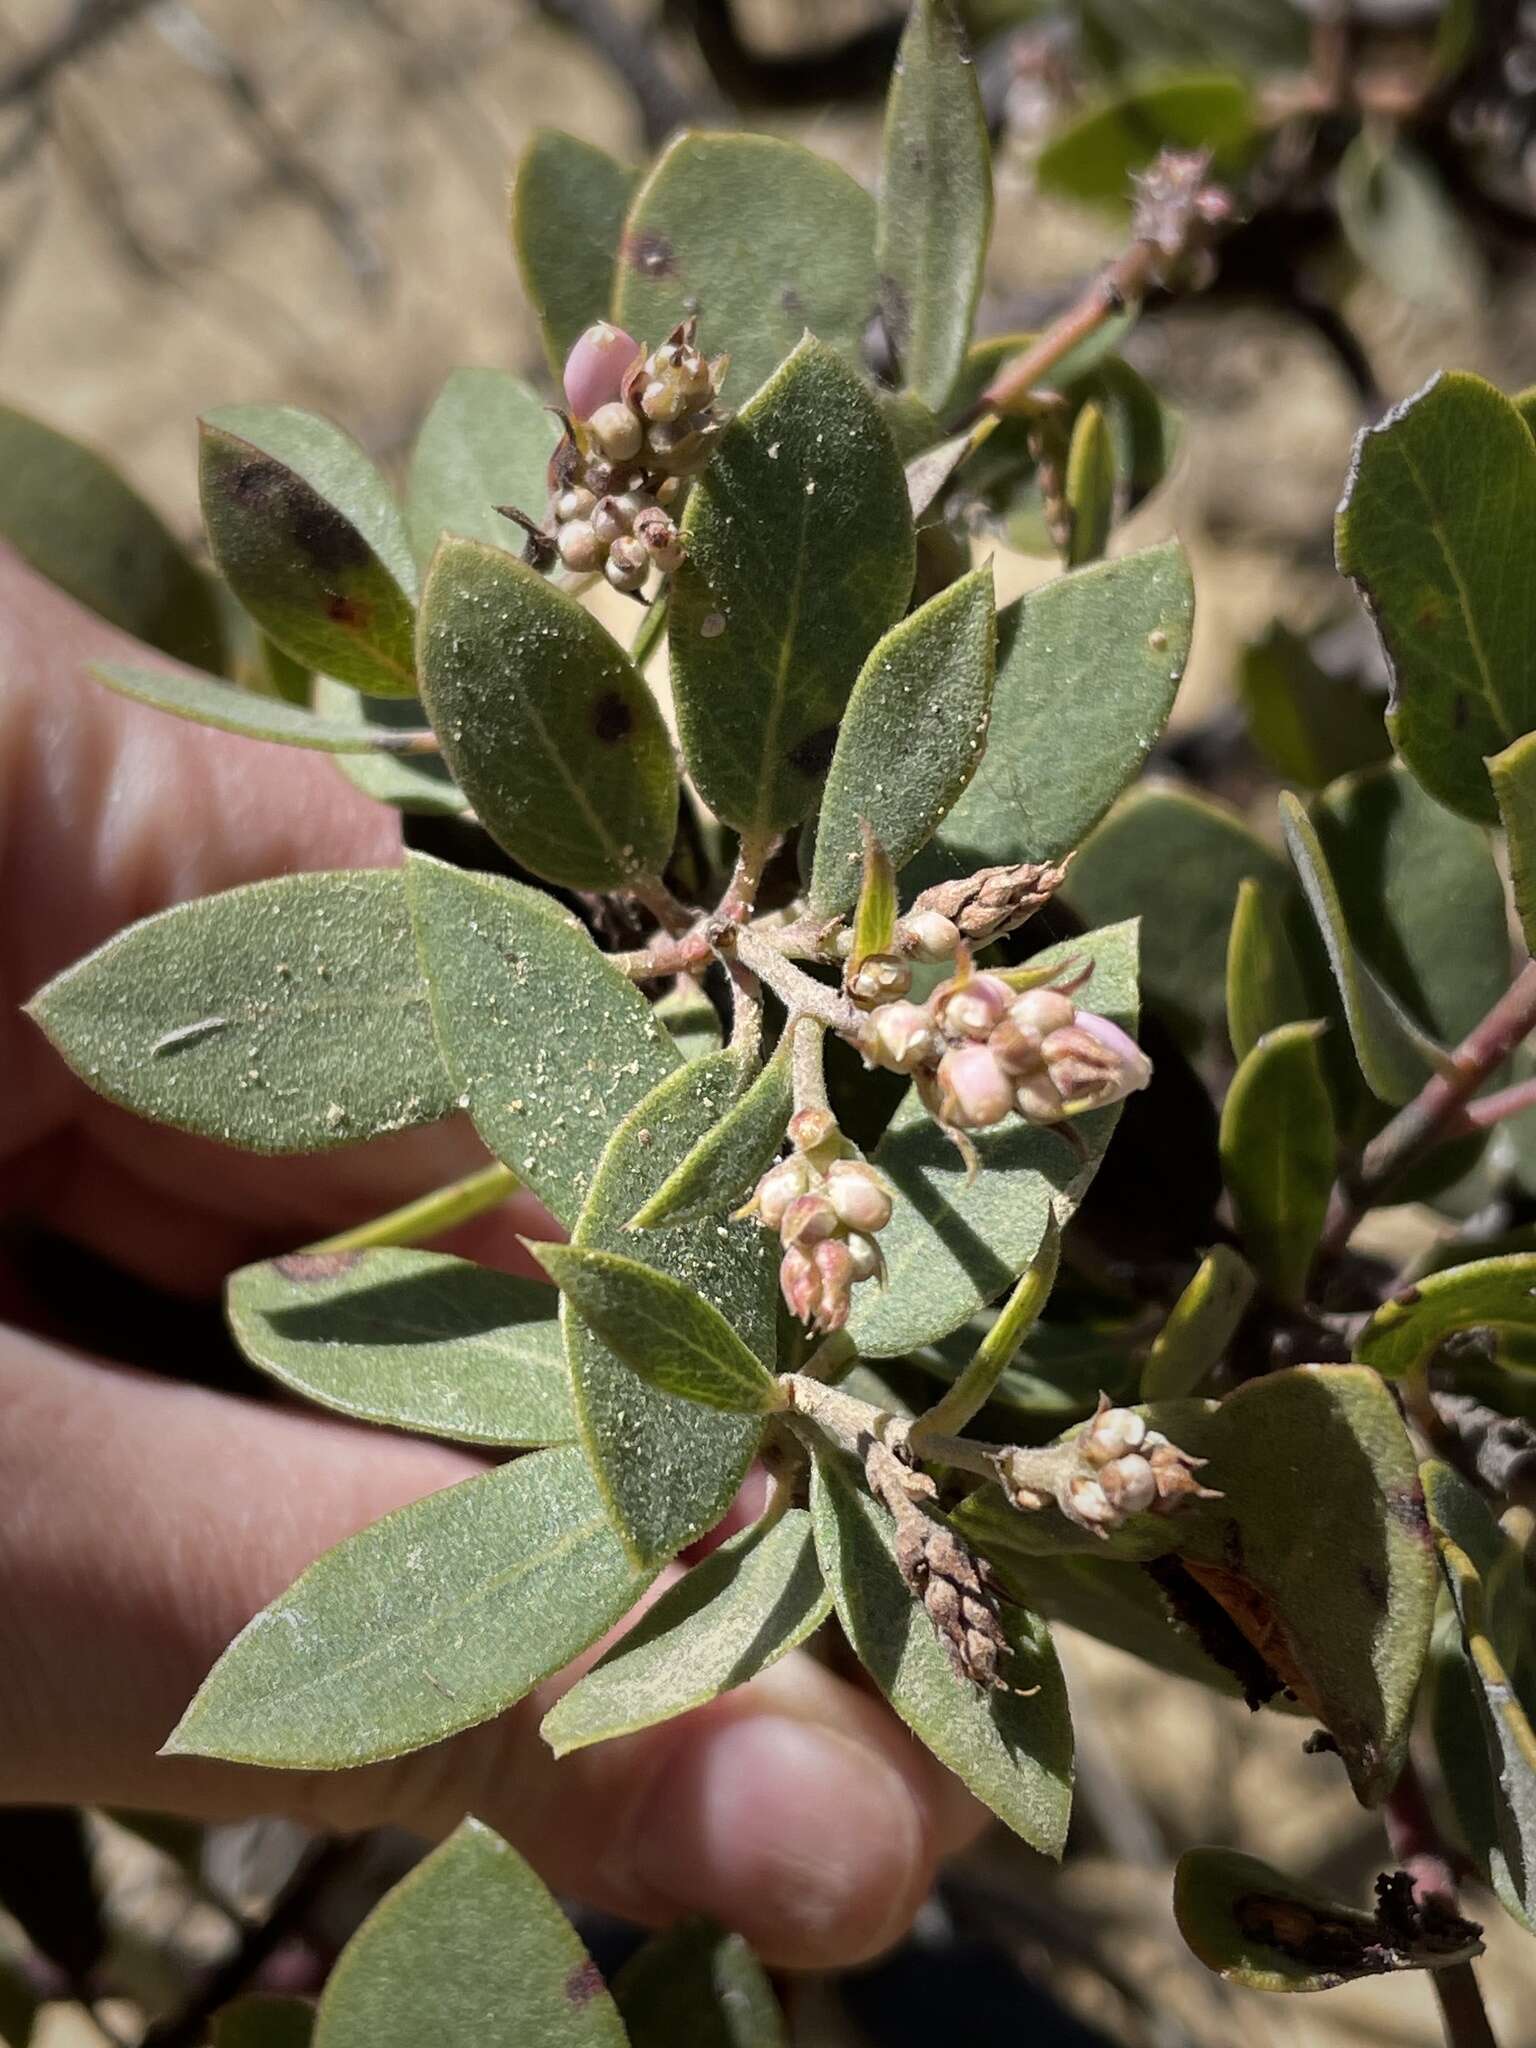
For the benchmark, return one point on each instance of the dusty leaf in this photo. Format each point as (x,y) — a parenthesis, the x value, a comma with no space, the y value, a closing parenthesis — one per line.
(304,531)
(429,1621)
(485,442)
(935,201)
(419,783)
(468,1951)
(548,727)
(547,1044)
(911,738)
(412,1339)
(727,1160)
(742,1608)
(284,1016)
(569,199)
(206,700)
(800,555)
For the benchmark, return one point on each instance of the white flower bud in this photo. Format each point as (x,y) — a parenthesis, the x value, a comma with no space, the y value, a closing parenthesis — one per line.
(779,1186)
(575,503)
(974,1091)
(580,548)
(664,399)
(858,1194)
(1043,1010)
(608,521)
(1112,1433)
(1038,1100)
(864,1256)
(933,936)
(972,1008)
(879,979)
(1090,1504)
(615,431)
(902,1037)
(627,564)
(1129,1485)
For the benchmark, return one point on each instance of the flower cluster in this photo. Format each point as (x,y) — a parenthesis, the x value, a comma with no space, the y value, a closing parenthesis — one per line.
(827,1207)
(981,1050)
(1119,1467)
(639,425)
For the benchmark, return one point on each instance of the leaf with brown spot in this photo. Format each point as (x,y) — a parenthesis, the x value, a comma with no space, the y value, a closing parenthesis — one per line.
(305,532)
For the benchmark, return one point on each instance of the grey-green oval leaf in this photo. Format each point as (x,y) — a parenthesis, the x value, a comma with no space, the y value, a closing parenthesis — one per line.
(418,783)
(745,1606)
(205,700)
(511,976)
(569,199)
(305,532)
(1441,551)
(759,237)
(1087,670)
(1013,1752)
(699,1986)
(70,514)
(429,1621)
(486,442)
(954,1244)
(546,723)
(468,1951)
(670,1336)
(935,201)
(1200,1326)
(668,1468)
(1264,984)
(800,555)
(729,1159)
(285,1016)
(911,738)
(411,1339)
(1278,1155)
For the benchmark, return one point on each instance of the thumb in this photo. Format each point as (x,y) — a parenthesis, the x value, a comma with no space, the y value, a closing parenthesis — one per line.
(143,1523)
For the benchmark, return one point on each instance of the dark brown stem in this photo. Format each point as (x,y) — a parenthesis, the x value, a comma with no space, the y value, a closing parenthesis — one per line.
(1439,1110)
(1418,1849)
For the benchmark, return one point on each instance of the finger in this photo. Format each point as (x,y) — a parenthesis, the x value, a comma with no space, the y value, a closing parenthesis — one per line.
(143,1523)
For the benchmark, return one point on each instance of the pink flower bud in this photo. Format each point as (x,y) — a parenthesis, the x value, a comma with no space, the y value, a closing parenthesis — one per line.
(608,520)
(902,1037)
(1038,1100)
(834,1269)
(580,549)
(1043,1010)
(1016,1047)
(594,369)
(810,1129)
(808,1220)
(780,1186)
(932,935)
(880,978)
(1093,1062)
(972,1008)
(975,1091)
(858,1194)
(628,564)
(799,1283)
(1110,1035)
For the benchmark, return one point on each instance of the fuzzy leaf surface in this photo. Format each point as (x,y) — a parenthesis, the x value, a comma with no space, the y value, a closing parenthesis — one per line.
(412,1339)
(1442,553)
(546,723)
(1256,1926)
(690,1020)
(1013,1753)
(548,1043)
(911,738)
(1264,981)
(1087,668)
(667,1467)
(950,1247)
(283,1016)
(673,1338)
(699,1985)
(729,1159)
(1278,1155)
(1513,774)
(304,531)
(935,201)
(1200,1326)
(569,199)
(1396,1056)
(760,237)
(742,1608)
(1317,1552)
(205,700)
(265,2022)
(71,515)
(468,1951)
(1496,1296)
(1313,725)
(1119,1603)
(800,555)
(429,1621)
(1495,1610)
(486,442)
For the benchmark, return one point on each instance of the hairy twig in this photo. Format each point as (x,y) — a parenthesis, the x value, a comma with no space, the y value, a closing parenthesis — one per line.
(799,994)
(1439,1111)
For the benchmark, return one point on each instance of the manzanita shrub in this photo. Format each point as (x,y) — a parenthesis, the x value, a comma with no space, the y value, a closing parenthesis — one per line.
(810,1015)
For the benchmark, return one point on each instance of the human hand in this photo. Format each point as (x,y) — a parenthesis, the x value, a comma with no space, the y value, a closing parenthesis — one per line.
(142,1522)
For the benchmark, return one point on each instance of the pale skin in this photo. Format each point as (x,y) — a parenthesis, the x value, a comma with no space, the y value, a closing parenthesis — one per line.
(143,1521)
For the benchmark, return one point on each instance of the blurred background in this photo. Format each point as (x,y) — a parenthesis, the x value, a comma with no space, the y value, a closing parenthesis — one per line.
(306,201)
